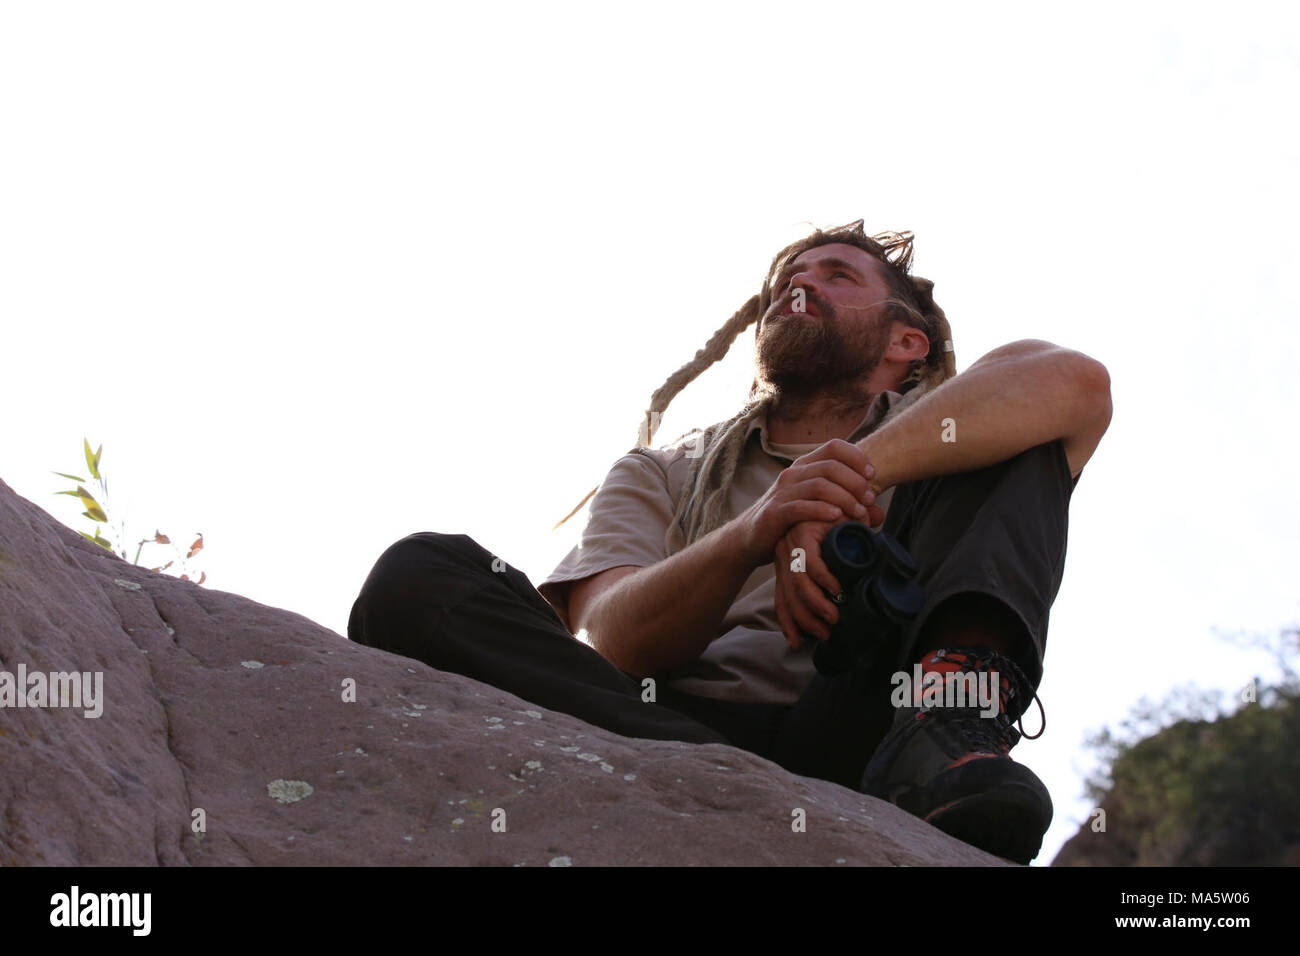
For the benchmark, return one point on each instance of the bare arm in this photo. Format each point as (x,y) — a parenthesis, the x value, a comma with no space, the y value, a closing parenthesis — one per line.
(665,615)
(1014,398)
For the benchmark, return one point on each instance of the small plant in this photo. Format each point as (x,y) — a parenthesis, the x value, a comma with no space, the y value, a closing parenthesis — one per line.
(99,513)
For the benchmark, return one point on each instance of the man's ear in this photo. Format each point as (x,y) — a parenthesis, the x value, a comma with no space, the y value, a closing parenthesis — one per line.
(908,344)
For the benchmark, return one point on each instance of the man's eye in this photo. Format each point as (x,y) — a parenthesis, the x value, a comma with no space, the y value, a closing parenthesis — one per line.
(845,274)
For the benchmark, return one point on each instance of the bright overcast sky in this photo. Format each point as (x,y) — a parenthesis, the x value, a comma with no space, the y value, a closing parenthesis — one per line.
(320,275)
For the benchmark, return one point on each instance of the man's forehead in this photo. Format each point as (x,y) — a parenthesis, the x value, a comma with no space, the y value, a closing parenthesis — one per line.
(849,254)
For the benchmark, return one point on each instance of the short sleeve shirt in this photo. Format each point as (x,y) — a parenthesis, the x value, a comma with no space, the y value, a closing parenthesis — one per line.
(749,659)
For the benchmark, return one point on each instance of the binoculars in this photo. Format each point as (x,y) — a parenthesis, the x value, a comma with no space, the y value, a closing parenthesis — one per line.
(880,598)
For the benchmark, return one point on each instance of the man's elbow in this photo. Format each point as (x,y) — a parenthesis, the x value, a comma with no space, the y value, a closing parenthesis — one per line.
(1090,377)
(1093,411)
(1019,349)
(1094,387)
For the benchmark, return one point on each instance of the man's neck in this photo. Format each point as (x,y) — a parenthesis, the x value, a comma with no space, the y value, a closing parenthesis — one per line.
(795,419)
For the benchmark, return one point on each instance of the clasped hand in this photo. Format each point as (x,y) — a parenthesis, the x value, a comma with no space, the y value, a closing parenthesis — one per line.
(816,492)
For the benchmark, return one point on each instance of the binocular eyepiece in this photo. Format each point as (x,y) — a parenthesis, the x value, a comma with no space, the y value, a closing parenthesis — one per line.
(880,596)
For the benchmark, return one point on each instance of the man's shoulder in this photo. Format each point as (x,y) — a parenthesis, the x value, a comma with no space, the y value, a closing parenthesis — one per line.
(671,460)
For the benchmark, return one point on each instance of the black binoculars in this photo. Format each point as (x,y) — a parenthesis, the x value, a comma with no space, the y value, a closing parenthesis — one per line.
(880,598)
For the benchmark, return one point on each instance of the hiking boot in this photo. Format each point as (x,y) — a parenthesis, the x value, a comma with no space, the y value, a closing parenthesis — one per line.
(950,766)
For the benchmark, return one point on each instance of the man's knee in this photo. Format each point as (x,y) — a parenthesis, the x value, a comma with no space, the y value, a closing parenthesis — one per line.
(425,543)
(424,552)
(417,567)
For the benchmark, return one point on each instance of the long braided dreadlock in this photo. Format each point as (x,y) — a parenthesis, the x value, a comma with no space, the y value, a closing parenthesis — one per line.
(700,506)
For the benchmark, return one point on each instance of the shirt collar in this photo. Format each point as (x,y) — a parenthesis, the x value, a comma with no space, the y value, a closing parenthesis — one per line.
(879,407)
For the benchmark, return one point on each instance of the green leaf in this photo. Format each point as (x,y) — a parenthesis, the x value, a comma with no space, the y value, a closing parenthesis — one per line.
(89,500)
(73,493)
(97,539)
(91,459)
(99,451)
(73,477)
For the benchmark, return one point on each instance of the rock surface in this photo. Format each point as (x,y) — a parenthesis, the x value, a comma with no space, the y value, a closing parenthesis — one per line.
(221,711)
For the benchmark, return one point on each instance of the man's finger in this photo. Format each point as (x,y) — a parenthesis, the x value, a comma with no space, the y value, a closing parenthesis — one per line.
(816,601)
(817,572)
(805,619)
(841,450)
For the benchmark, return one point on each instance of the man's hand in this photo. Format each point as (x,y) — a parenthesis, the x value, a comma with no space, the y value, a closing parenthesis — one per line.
(827,484)
(801,605)
(801,602)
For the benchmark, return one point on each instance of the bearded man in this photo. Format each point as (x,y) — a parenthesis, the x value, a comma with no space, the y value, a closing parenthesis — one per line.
(702,626)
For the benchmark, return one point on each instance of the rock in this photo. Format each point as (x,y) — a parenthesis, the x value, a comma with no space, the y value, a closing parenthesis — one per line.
(227,736)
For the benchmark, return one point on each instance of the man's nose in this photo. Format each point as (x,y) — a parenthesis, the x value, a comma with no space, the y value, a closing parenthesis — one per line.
(805,279)
(807,282)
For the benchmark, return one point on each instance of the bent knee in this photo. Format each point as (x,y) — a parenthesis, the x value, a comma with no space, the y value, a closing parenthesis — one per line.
(417,557)
(423,543)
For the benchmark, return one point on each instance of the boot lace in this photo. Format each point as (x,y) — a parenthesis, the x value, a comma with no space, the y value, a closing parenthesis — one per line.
(998,733)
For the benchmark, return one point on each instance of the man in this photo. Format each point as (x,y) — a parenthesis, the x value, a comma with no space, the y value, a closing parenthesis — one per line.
(684,580)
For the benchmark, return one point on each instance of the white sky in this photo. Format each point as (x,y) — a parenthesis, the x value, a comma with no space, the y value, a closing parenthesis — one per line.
(320,275)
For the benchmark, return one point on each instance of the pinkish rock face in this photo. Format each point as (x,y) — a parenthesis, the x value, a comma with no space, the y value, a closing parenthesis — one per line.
(229,732)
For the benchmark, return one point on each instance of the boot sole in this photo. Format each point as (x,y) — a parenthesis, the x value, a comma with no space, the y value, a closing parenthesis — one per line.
(1008,821)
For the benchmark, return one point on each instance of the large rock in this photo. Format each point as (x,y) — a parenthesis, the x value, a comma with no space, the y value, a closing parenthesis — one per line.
(222,711)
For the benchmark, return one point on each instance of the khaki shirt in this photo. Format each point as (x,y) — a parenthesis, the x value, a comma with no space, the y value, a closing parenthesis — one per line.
(749,660)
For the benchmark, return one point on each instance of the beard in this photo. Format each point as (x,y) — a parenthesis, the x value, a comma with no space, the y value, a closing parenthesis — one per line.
(802,354)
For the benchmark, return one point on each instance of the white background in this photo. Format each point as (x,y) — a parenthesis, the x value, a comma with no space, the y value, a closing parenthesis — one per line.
(320,275)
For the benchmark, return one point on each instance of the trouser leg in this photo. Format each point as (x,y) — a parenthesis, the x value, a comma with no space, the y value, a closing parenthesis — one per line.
(997,532)
(436,598)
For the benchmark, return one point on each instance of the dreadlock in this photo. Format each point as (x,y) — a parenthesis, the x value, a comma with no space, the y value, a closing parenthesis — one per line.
(701,503)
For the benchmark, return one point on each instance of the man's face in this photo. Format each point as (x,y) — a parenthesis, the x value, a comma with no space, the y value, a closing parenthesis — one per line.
(841,335)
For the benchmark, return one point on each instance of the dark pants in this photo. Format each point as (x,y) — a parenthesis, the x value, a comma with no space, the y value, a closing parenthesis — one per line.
(996,535)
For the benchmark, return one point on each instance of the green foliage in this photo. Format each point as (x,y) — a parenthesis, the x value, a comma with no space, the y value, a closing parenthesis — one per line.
(98,513)
(1213,793)
(1211,788)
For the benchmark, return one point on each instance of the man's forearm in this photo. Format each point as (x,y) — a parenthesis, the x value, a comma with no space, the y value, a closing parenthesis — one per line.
(1013,399)
(665,615)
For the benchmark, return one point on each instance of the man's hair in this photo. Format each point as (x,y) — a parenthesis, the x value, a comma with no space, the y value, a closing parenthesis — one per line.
(700,506)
